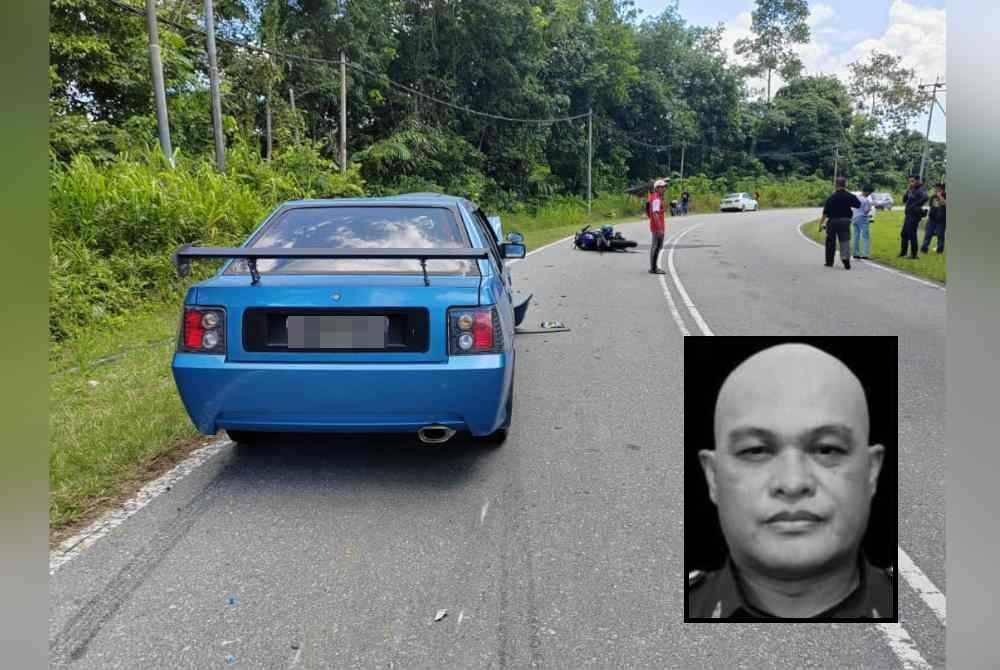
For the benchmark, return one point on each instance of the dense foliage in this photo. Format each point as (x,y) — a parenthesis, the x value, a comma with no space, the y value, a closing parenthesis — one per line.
(662,91)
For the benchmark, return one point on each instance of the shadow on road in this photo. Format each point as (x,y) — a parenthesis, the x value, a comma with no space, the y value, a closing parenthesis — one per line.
(376,462)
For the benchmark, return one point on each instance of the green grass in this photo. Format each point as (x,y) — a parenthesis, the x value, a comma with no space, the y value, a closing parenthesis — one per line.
(107,438)
(885,246)
(561,218)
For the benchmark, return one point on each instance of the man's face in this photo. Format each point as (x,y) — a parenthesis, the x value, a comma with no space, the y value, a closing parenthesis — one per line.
(911,181)
(792,474)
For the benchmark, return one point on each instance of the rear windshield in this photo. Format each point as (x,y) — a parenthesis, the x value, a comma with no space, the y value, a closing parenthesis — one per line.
(370,227)
(732,196)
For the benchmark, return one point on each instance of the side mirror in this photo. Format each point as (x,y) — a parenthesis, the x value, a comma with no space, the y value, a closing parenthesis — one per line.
(516,238)
(513,250)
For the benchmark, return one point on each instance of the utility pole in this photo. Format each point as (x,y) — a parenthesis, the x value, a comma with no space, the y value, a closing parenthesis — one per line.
(267,117)
(590,154)
(930,114)
(683,147)
(343,113)
(836,160)
(295,117)
(213,77)
(162,122)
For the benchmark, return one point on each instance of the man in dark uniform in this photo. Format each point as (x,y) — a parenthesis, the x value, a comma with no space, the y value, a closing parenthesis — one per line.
(914,200)
(837,220)
(792,476)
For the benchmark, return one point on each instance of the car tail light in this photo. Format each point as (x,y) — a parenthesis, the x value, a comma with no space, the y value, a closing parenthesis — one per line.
(203,330)
(474,330)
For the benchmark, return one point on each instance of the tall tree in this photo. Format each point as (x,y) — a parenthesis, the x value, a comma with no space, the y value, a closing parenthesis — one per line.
(885,90)
(777,25)
(809,117)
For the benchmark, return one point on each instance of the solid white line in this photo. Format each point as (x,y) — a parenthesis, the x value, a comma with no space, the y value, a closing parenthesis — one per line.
(74,546)
(898,638)
(920,583)
(541,248)
(482,512)
(903,647)
(680,287)
(552,244)
(875,264)
(674,312)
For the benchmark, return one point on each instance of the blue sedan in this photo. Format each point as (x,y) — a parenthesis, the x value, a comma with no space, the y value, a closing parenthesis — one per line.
(355,315)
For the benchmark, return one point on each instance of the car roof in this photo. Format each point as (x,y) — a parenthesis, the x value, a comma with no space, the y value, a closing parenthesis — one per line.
(439,199)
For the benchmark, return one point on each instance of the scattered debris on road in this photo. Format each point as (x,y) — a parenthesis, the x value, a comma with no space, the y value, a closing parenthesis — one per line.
(545,327)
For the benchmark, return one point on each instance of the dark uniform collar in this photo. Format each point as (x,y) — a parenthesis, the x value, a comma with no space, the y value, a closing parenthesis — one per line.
(872,599)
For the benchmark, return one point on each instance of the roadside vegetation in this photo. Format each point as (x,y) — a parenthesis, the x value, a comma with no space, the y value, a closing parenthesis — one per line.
(118,209)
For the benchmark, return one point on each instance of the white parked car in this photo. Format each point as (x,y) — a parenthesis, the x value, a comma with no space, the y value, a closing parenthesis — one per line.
(882,200)
(738,202)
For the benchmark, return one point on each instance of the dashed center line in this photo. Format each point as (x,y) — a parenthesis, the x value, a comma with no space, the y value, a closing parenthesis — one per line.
(897,637)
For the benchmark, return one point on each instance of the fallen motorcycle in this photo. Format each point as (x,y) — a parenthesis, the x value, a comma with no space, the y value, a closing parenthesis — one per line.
(605,239)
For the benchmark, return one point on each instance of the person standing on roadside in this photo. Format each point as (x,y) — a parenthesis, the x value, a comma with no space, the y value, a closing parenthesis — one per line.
(685,200)
(914,200)
(936,219)
(657,224)
(861,222)
(837,221)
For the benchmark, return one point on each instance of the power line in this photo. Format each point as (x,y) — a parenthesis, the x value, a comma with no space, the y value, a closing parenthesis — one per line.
(464,108)
(327,61)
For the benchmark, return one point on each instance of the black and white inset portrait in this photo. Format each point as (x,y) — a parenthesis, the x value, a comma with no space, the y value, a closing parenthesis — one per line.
(790,478)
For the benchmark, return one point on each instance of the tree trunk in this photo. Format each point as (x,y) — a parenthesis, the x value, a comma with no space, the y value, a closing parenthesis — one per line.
(768,86)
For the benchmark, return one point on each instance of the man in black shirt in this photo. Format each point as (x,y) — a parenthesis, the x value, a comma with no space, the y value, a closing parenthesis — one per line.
(792,474)
(914,199)
(837,218)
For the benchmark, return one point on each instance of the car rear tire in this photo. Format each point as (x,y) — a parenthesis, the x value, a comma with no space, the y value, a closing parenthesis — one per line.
(499,436)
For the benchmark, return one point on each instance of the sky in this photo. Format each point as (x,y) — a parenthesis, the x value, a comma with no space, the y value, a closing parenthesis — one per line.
(843,31)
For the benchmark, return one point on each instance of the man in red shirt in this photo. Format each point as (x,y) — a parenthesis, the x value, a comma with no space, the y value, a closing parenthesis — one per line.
(657,224)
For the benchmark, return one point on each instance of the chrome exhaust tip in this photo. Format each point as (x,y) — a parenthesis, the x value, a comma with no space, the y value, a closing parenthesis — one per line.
(435,434)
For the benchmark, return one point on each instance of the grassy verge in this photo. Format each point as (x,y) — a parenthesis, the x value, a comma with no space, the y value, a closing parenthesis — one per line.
(114,424)
(116,420)
(559,219)
(885,246)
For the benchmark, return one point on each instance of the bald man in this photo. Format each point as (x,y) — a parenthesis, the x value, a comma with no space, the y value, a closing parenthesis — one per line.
(792,477)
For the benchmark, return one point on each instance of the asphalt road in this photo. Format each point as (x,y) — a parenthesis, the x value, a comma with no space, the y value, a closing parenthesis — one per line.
(564,548)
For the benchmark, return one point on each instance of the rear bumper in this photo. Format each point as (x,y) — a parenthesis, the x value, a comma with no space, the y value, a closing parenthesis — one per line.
(465,393)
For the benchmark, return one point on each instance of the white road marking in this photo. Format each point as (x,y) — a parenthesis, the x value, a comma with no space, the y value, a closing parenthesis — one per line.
(903,647)
(875,264)
(541,248)
(680,287)
(552,244)
(74,546)
(898,639)
(920,583)
(482,512)
(461,615)
(674,312)
(295,660)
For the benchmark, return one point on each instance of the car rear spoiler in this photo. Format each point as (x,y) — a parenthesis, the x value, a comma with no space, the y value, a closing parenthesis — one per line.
(186,253)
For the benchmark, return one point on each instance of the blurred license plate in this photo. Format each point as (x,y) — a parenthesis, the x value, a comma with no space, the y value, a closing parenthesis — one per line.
(336,332)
